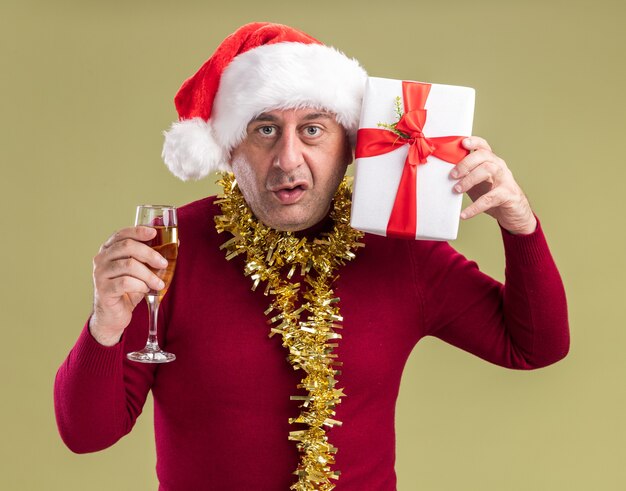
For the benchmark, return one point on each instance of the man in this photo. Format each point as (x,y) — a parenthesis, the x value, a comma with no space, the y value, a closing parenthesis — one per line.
(281,111)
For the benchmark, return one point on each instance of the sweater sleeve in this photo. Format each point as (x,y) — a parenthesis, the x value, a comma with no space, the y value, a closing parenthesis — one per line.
(522,324)
(98,394)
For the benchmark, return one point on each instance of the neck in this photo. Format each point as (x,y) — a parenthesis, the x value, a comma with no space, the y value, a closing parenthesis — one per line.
(324,225)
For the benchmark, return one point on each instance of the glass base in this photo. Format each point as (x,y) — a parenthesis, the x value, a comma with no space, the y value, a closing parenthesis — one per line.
(150,355)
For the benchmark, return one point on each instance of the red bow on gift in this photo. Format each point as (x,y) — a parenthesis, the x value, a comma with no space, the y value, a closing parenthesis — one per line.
(372,142)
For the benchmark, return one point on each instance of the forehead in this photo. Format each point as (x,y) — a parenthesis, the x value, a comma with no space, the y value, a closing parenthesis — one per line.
(295,116)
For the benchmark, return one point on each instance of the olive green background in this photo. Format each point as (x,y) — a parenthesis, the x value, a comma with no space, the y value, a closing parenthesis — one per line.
(86,89)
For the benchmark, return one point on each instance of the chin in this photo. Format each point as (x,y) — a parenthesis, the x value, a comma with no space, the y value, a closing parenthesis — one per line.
(291,218)
(289,226)
(291,223)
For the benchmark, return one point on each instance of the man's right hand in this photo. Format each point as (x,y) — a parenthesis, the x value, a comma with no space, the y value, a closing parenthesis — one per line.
(121,279)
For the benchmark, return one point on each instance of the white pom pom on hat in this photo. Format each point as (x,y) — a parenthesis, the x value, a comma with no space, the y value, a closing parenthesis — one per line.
(190,151)
(258,68)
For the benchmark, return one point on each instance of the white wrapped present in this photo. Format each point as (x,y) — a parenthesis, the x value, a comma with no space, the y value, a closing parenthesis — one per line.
(409,139)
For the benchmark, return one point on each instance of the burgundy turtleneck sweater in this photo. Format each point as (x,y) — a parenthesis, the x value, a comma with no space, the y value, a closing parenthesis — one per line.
(221,409)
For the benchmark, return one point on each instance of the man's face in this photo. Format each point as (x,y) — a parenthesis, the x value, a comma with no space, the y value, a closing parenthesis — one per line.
(289,166)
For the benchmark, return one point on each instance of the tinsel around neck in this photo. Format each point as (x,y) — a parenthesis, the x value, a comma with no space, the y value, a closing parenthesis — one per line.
(322,254)
(305,315)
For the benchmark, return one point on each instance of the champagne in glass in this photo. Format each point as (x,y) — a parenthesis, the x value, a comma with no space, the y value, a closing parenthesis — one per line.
(165,243)
(163,219)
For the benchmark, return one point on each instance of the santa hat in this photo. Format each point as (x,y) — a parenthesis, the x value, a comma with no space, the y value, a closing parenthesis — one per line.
(258,68)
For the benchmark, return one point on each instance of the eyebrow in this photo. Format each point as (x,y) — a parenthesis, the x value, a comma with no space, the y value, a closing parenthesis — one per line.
(264,117)
(308,117)
(319,115)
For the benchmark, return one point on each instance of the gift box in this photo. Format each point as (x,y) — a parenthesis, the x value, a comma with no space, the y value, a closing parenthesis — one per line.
(408,141)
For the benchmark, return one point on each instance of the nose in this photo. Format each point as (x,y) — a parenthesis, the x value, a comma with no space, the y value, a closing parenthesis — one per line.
(289,151)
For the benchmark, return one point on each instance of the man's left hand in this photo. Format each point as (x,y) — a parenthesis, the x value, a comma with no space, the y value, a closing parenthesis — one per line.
(491,186)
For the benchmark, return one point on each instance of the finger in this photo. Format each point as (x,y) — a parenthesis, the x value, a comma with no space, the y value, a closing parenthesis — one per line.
(471,161)
(130,248)
(124,285)
(492,199)
(487,171)
(132,267)
(112,286)
(472,143)
(140,233)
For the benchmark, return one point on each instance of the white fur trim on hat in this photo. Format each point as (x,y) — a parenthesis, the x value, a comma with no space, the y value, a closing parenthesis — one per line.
(286,76)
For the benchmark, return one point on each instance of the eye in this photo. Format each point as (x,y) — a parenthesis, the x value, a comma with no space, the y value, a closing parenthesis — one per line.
(267,130)
(312,131)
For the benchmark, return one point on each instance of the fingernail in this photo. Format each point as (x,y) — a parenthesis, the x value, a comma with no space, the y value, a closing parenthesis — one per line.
(463,215)
(457,188)
(454,173)
(163,261)
(161,285)
(467,142)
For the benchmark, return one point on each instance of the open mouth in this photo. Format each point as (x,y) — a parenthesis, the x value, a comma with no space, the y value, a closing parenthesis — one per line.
(290,194)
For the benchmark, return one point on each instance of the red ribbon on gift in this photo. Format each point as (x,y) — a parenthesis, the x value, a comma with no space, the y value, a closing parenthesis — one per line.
(375,141)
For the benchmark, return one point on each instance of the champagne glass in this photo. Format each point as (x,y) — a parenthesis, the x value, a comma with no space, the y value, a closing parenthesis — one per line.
(163,219)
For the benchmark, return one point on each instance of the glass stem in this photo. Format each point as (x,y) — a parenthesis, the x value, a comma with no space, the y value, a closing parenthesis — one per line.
(153,307)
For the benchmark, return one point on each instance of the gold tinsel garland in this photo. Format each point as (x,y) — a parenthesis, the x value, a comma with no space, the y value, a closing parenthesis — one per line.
(306,324)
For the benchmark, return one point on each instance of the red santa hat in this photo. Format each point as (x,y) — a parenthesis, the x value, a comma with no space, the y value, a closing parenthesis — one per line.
(258,68)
